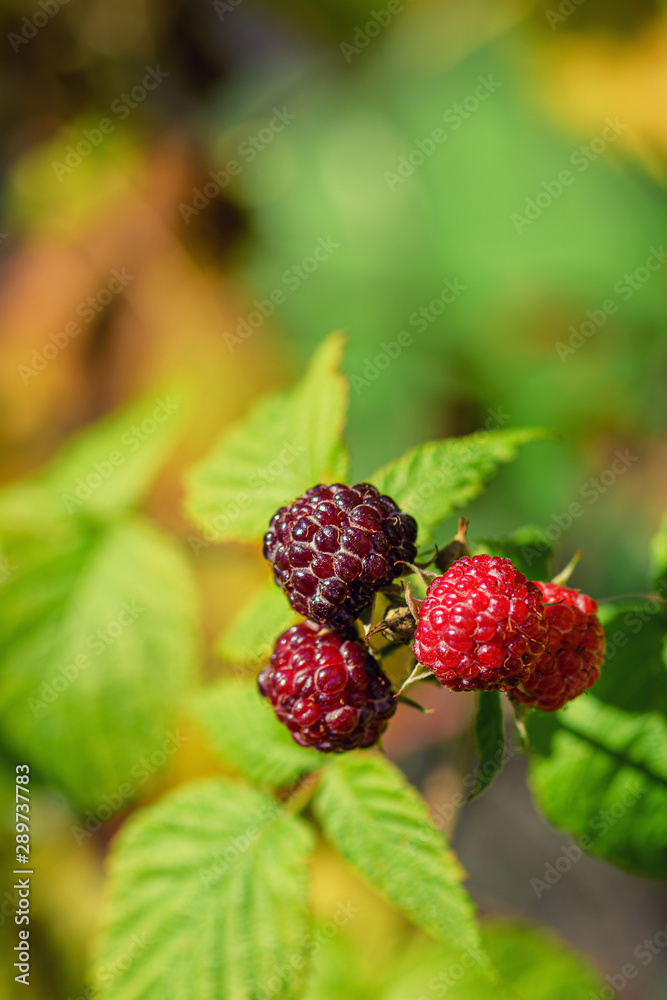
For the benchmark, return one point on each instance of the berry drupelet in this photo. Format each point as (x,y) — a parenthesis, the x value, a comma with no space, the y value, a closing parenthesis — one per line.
(333,547)
(481,625)
(327,689)
(574,654)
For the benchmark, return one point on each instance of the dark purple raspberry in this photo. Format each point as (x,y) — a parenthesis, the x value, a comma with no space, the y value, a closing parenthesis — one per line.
(481,625)
(333,547)
(574,654)
(327,689)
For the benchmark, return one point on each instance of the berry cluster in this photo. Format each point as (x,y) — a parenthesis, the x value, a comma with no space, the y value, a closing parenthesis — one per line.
(331,550)
(482,626)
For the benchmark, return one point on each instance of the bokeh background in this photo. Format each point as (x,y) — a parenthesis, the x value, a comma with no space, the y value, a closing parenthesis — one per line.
(261,173)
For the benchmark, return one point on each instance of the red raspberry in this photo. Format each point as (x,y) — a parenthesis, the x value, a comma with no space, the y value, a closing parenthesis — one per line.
(574,654)
(333,547)
(327,689)
(481,625)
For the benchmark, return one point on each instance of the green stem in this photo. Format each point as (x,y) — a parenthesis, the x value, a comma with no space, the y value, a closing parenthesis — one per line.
(302,793)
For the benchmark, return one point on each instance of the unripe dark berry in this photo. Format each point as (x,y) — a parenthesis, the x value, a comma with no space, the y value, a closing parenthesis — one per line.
(333,547)
(481,625)
(327,689)
(575,650)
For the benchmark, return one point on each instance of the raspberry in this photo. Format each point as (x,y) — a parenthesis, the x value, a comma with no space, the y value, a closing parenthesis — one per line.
(574,654)
(333,547)
(481,625)
(327,689)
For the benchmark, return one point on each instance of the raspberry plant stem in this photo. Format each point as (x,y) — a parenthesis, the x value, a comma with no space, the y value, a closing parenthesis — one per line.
(302,792)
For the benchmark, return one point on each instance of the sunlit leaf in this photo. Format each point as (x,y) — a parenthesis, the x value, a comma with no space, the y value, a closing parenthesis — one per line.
(601,774)
(380,824)
(285,445)
(244,730)
(250,637)
(206,900)
(432,480)
(98,639)
(109,466)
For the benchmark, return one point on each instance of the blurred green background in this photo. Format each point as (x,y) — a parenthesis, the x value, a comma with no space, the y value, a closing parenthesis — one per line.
(473,191)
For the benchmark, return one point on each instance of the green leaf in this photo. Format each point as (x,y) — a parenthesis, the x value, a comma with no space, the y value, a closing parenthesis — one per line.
(537,965)
(98,632)
(28,510)
(659,557)
(381,825)
(244,730)
(528,548)
(250,637)
(532,963)
(338,971)
(601,774)
(432,480)
(489,732)
(206,900)
(109,467)
(285,445)
(425,970)
(634,674)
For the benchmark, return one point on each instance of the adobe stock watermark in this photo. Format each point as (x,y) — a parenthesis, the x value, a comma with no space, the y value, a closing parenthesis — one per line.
(291,279)
(41,701)
(140,773)
(281,975)
(644,952)
(364,35)
(590,491)
(7,570)
(87,310)
(451,976)
(443,813)
(420,319)
(130,442)
(625,288)
(581,159)
(565,9)
(122,107)
(447,469)
(256,485)
(454,117)
(236,847)
(600,824)
(246,151)
(260,656)
(7,907)
(222,7)
(635,620)
(31,25)
(107,973)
